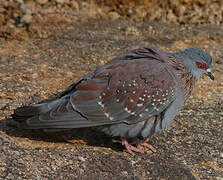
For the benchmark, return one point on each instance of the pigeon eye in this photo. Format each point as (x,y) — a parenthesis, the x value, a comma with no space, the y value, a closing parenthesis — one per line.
(201,65)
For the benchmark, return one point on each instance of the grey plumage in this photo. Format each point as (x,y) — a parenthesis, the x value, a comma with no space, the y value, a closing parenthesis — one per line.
(133,96)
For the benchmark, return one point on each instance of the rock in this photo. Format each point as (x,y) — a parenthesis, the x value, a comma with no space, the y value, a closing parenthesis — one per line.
(113,15)
(26,18)
(74,5)
(42,1)
(131,30)
(62,1)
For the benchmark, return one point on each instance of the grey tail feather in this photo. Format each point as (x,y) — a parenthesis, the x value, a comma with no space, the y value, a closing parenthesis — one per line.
(23,113)
(38,116)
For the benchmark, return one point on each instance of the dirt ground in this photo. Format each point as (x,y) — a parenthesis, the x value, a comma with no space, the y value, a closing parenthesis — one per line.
(60,49)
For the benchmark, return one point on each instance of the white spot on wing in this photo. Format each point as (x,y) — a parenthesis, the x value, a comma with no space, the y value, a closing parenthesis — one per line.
(100,103)
(127,110)
(139,105)
(107,115)
(156,109)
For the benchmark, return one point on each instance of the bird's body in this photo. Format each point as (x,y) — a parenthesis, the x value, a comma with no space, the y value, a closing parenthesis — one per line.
(133,96)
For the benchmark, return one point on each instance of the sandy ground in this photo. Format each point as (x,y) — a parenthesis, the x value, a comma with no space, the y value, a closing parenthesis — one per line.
(34,68)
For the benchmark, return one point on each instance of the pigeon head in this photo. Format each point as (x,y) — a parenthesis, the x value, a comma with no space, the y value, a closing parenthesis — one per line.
(198,61)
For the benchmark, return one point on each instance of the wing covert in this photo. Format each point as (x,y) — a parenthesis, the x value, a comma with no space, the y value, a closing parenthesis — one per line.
(128,91)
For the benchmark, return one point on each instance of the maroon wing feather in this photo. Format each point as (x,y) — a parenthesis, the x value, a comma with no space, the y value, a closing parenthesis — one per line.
(126,90)
(129,89)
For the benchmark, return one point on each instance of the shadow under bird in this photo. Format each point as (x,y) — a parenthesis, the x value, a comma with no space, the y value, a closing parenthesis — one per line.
(132,97)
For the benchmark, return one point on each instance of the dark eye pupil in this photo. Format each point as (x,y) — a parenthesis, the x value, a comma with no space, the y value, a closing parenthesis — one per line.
(201,65)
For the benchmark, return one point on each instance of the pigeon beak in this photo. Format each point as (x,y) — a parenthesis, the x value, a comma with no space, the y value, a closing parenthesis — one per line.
(210,74)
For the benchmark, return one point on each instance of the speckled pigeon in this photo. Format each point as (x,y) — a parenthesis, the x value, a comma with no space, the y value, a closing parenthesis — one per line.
(132,97)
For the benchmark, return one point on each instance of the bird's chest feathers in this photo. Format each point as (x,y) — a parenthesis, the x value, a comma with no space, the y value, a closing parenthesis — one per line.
(189,82)
(184,76)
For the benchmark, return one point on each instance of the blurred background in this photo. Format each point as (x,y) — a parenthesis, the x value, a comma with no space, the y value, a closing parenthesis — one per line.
(17,17)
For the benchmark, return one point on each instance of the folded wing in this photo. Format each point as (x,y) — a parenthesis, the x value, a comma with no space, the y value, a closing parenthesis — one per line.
(129,89)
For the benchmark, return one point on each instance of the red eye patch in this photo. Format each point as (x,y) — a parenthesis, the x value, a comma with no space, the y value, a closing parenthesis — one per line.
(201,65)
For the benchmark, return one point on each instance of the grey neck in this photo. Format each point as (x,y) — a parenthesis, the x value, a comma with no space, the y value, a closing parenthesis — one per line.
(188,62)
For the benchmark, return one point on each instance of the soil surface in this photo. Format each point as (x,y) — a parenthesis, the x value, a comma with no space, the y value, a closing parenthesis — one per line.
(66,47)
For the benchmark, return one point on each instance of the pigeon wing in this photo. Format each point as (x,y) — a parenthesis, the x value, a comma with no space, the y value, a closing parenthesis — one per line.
(129,89)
